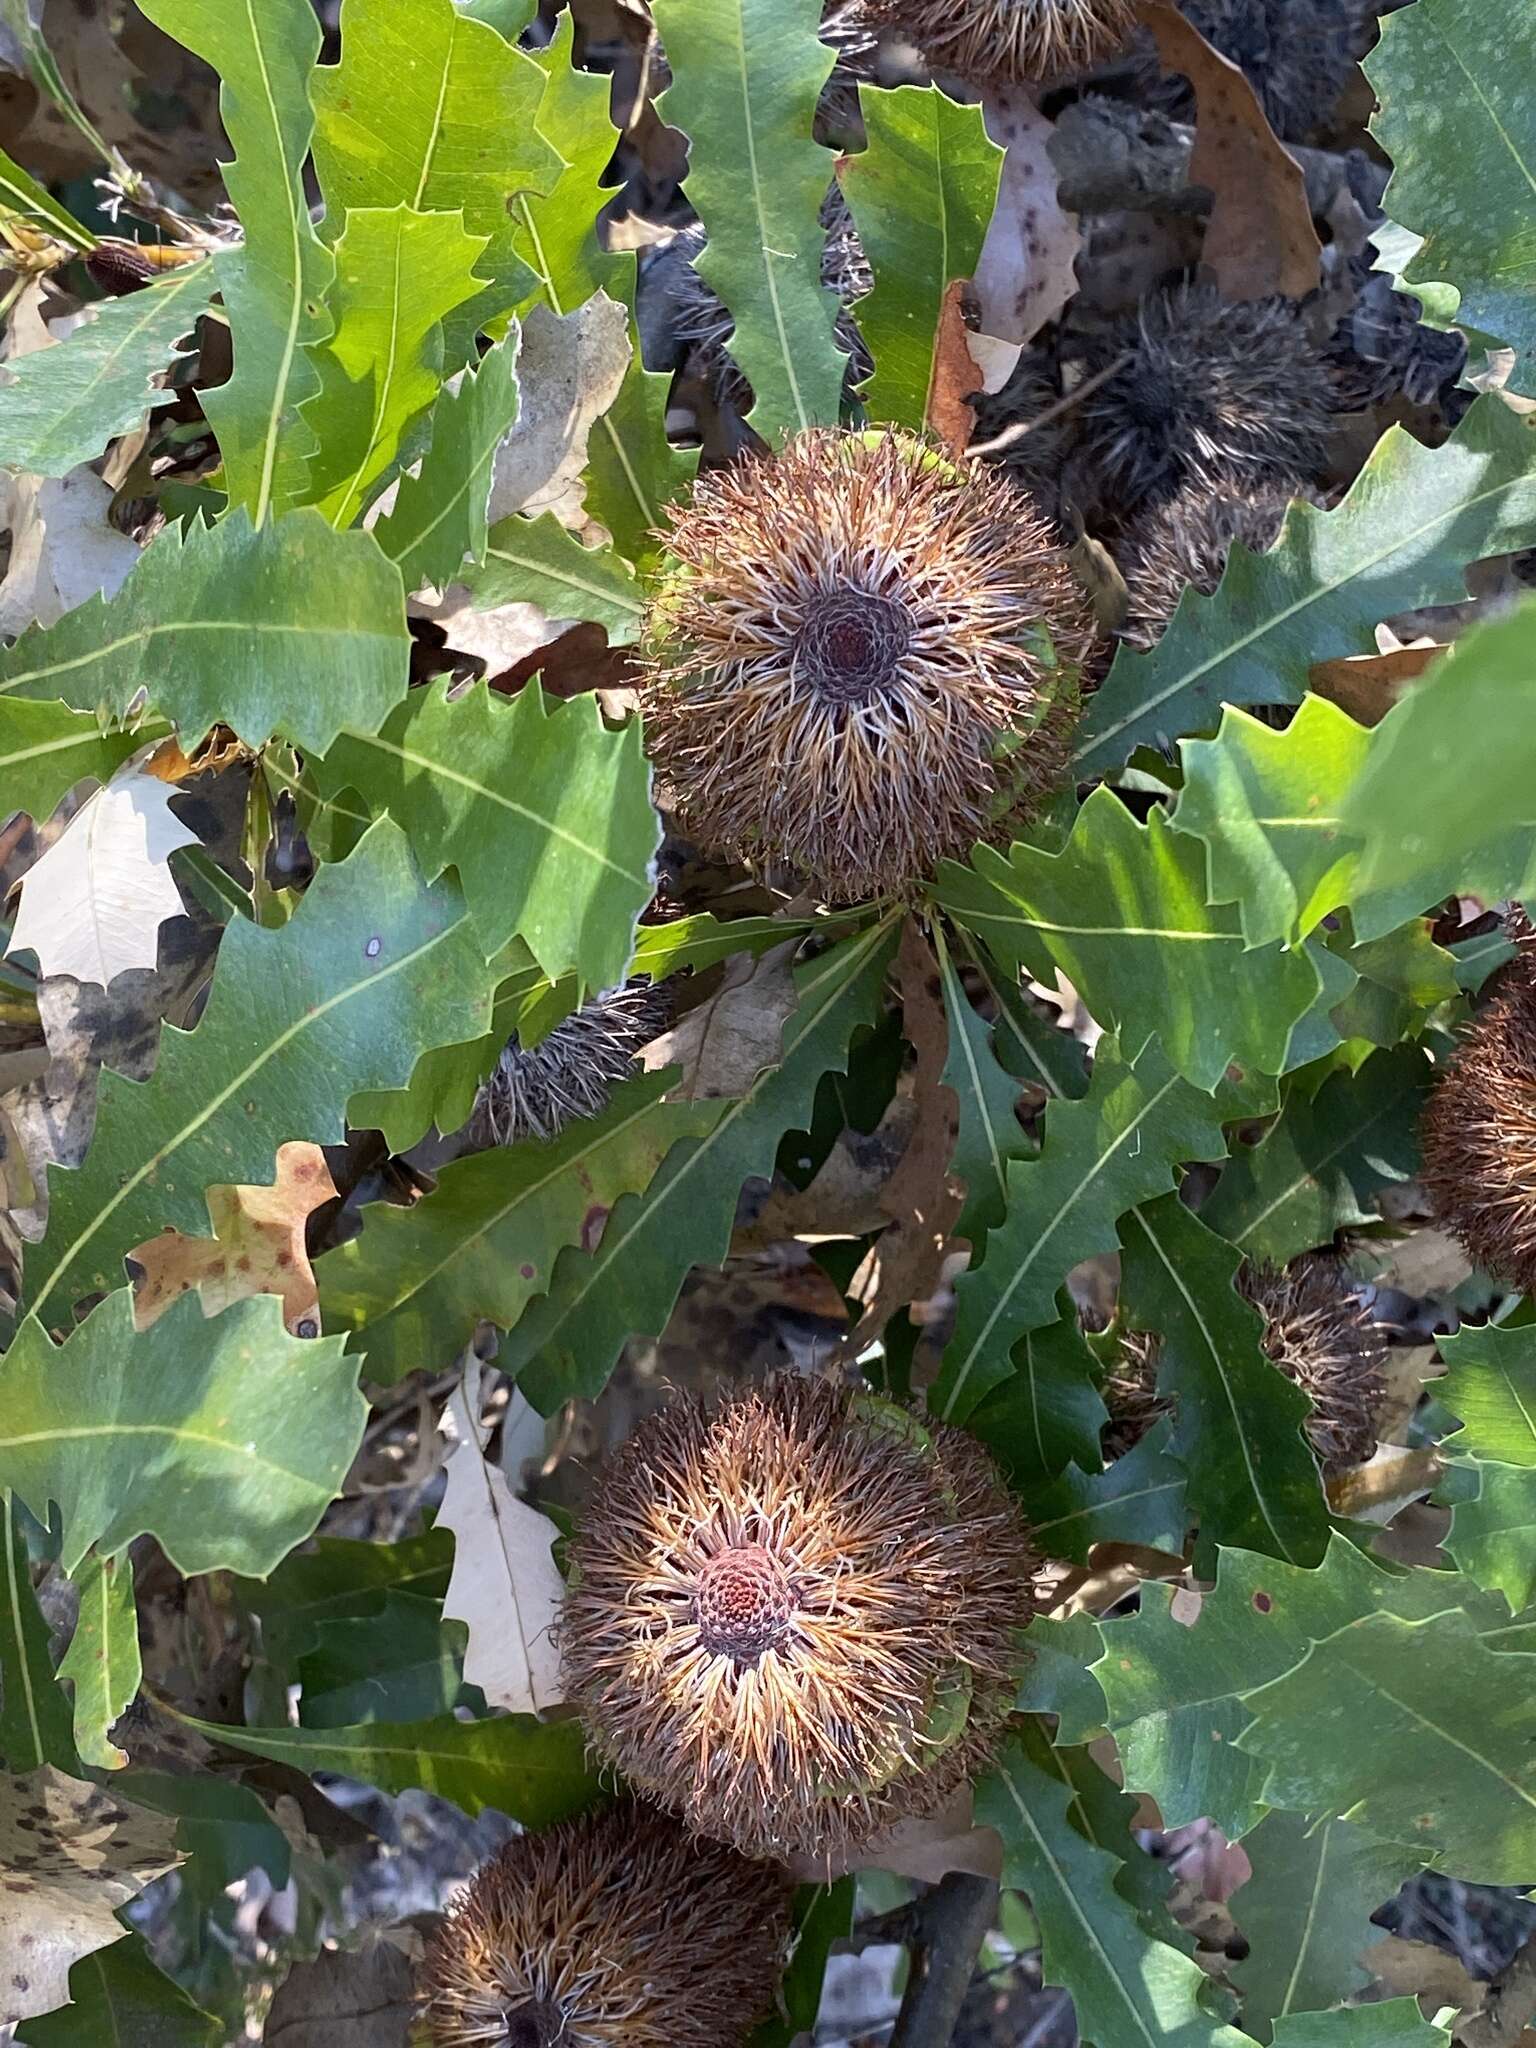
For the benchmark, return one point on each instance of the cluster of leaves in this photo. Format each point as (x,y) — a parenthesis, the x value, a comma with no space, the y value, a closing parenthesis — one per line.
(437,382)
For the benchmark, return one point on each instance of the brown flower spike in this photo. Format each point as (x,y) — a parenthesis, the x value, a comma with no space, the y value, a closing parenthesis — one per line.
(794,1620)
(616,1930)
(1479,1132)
(860,660)
(1009,39)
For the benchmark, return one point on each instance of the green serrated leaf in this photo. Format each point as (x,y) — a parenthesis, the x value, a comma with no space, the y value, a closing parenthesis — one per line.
(1104,1815)
(289,628)
(118,1995)
(1118,1146)
(633,473)
(1393,2023)
(372,967)
(538,561)
(45,749)
(1457,121)
(1048,1413)
(483,1244)
(21,193)
(1306,1913)
(1490,1382)
(1122,911)
(1237,1420)
(566,1344)
(341,1579)
(1332,1733)
(102,1661)
(557,226)
(61,406)
(990,1134)
(694,943)
(274,281)
(1266,805)
(1137,1499)
(533,1771)
(439,515)
(399,274)
(1480,832)
(1125,1985)
(1413,519)
(181,1431)
(34,1714)
(403,1663)
(921,194)
(1056,1679)
(433,110)
(746,76)
(1175,1683)
(545,813)
(1028,1045)
(1320,1167)
(1493,1535)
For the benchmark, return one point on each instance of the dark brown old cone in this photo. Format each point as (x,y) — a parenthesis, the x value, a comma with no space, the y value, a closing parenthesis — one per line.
(616,1930)
(1315,1331)
(794,1619)
(860,660)
(1009,39)
(1479,1132)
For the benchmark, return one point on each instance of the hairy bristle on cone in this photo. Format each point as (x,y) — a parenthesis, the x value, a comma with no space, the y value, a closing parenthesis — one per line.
(1479,1131)
(1316,1332)
(1213,392)
(794,1619)
(861,660)
(1296,54)
(1183,544)
(534,1092)
(615,1930)
(1009,39)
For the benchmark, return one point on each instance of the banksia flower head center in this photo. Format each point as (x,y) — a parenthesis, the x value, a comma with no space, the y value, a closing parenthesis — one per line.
(794,1619)
(1009,39)
(860,660)
(616,1930)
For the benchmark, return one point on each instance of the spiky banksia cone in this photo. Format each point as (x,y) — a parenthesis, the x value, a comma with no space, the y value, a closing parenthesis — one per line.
(794,1619)
(535,1091)
(1009,39)
(861,660)
(1184,544)
(1479,1131)
(1316,1332)
(1211,391)
(616,1930)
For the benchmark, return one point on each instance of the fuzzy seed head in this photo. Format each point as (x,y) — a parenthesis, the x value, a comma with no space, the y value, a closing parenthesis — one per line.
(1479,1131)
(1184,543)
(569,1075)
(860,661)
(794,1619)
(1009,40)
(1214,392)
(615,1930)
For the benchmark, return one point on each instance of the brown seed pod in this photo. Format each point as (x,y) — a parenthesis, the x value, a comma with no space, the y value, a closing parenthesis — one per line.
(1183,544)
(1212,391)
(794,1619)
(571,1072)
(615,1930)
(1010,40)
(1479,1131)
(862,659)
(1315,1331)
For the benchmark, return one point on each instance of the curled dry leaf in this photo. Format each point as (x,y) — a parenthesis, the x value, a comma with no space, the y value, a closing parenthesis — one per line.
(1260,238)
(345,1998)
(93,904)
(569,369)
(506,1587)
(257,1247)
(71,1855)
(1026,270)
(956,374)
(63,547)
(724,1044)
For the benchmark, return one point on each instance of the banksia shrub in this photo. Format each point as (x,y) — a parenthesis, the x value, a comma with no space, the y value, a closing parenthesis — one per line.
(861,660)
(1212,392)
(794,1619)
(535,1091)
(1315,1331)
(1183,544)
(615,1930)
(1009,39)
(1479,1132)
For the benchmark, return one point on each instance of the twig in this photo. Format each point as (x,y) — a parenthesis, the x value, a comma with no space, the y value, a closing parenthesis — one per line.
(1508,2008)
(1076,396)
(953,1922)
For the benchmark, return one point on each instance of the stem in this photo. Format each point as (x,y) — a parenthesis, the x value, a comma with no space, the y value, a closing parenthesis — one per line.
(953,1921)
